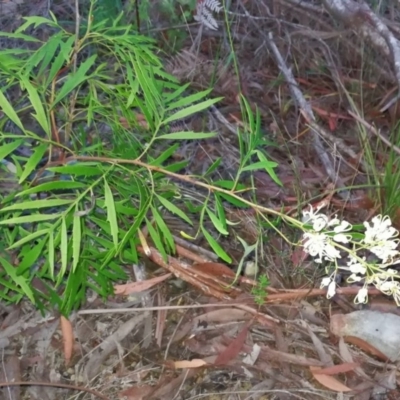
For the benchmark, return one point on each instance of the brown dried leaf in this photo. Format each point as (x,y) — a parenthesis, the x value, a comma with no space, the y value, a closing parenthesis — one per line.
(324,356)
(11,372)
(195,363)
(338,369)
(141,286)
(329,381)
(234,348)
(346,356)
(68,338)
(222,315)
(136,393)
(214,269)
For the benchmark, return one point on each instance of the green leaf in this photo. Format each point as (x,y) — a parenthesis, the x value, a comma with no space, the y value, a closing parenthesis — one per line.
(36,21)
(61,59)
(213,166)
(145,202)
(233,200)
(219,226)
(74,80)
(165,155)
(20,281)
(162,226)
(178,93)
(28,259)
(63,249)
(187,135)
(20,36)
(28,238)
(216,247)
(8,148)
(156,239)
(51,254)
(191,110)
(260,165)
(229,185)
(76,240)
(33,161)
(50,186)
(174,209)
(50,48)
(187,100)
(34,204)
(37,104)
(7,109)
(269,167)
(77,170)
(111,213)
(249,112)
(220,210)
(27,219)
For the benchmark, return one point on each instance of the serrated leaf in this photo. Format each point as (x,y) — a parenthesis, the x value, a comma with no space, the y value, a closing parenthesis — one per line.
(50,48)
(111,213)
(187,135)
(173,209)
(14,35)
(217,223)
(75,79)
(191,110)
(218,250)
(185,101)
(28,238)
(28,259)
(33,161)
(62,57)
(29,219)
(76,240)
(37,105)
(9,148)
(36,21)
(36,204)
(20,281)
(172,96)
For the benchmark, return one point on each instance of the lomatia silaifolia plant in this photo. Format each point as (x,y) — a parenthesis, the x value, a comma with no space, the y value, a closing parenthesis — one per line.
(368,257)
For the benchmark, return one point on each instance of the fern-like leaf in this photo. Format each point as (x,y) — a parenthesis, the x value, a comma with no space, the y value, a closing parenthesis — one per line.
(204,10)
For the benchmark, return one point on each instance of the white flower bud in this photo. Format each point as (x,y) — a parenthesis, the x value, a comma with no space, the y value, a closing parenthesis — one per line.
(362,296)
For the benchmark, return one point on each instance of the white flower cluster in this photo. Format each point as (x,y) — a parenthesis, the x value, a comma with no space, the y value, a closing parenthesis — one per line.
(329,239)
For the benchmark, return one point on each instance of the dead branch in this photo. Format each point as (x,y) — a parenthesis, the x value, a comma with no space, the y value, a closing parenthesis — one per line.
(309,116)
